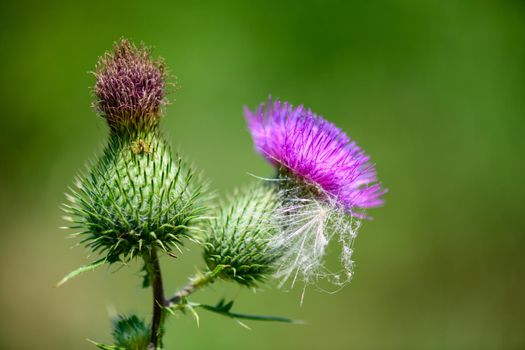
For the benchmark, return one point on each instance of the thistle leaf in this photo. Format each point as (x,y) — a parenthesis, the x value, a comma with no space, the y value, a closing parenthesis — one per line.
(105,346)
(81,269)
(223,308)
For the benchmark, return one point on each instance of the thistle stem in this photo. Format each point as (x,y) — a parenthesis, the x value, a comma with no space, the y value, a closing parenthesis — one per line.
(195,283)
(158,301)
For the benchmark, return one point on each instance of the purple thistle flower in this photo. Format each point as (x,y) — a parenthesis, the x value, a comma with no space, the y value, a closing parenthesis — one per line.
(312,149)
(130,85)
(328,182)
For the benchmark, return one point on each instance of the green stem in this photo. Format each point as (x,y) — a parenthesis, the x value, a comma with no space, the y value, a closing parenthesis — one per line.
(158,301)
(196,282)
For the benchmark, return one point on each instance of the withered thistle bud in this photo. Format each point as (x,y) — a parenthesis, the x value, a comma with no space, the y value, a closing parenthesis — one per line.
(130,87)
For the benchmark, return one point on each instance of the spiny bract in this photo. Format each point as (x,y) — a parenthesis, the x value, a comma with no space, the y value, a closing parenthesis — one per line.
(240,235)
(136,196)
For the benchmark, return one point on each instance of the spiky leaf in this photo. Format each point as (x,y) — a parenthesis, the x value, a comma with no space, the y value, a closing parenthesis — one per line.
(81,270)
(224,308)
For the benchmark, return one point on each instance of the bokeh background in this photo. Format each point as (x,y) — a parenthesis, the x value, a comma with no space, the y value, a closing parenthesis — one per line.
(433,90)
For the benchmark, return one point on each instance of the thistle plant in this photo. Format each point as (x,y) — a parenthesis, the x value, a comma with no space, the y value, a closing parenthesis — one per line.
(138,200)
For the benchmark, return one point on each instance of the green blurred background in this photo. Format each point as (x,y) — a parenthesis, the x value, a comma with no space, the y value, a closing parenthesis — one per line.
(433,90)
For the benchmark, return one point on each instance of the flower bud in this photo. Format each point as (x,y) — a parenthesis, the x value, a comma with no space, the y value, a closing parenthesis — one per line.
(130,87)
(240,236)
(134,197)
(131,333)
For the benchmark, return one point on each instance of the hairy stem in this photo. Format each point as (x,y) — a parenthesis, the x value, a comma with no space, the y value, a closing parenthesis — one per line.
(158,301)
(195,283)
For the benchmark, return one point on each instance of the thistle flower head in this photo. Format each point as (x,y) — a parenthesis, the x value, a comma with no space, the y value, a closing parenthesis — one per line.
(240,234)
(307,147)
(130,86)
(325,182)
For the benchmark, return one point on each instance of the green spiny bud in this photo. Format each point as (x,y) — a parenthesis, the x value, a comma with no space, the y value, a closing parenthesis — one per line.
(135,197)
(240,236)
(131,333)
